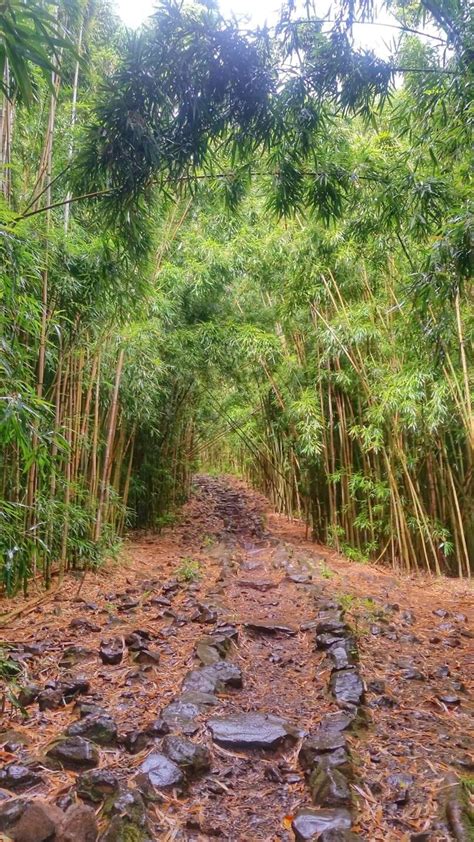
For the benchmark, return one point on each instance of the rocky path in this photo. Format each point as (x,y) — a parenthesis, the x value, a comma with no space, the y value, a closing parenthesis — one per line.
(231,681)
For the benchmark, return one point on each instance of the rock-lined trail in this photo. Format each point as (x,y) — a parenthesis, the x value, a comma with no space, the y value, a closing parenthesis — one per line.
(229,680)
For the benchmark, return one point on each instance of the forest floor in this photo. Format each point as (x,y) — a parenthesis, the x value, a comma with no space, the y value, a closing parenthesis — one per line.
(229,602)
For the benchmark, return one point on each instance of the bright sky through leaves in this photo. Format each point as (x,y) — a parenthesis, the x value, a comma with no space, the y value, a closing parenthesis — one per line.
(259,12)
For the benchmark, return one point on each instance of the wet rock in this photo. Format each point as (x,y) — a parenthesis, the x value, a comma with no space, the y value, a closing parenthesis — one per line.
(79,824)
(207,654)
(74,753)
(111,651)
(11,811)
(97,785)
(28,694)
(329,788)
(309,824)
(83,624)
(101,729)
(269,627)
(158,772)
(400,785)
(347,687)
(193,758)
(213,678)
(128,818)
(16,777)
(39,822)
(135,741)
(158,728)
(251,730)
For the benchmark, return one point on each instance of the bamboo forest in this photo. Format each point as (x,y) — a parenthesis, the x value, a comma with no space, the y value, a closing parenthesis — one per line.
(236,421)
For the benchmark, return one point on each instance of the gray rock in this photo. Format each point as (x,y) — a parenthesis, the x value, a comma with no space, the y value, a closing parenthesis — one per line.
(261,585)
(251,730)
(97,785)
(158,772)
(136,740)
(329,788)
(207,654)
(324,641)
(28,694)
(269,627)
(128,822)
(16,777)
(193,758)
(322,741)
(74,753)
(309,824)
(73,655)
(180,716)
(330,622)
(213,678)
(99,728)
(341,654)
(347,687)
(11,811)
(111,651)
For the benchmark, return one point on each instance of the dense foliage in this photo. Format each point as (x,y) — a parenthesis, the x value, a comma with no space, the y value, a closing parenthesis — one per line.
(245,251)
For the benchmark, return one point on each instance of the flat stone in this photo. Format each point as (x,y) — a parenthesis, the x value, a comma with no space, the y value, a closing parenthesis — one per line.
(261,585)
(330,622)
(83,624)
(193,758)
(251,730)
(147,655)
(322,741)
(329,788)
(111,651)
(347,687)
(324,641)
(97,785)
(74,753)
(207,654)
(309,824)
(269,627)
(214,678)
(101,729)
(16,777)
(158,772)
(128,804)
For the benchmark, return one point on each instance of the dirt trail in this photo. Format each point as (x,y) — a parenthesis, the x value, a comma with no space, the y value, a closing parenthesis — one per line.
(218,619)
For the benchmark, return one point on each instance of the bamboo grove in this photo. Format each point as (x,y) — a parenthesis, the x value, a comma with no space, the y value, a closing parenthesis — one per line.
(234,251)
